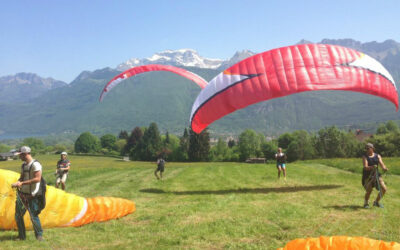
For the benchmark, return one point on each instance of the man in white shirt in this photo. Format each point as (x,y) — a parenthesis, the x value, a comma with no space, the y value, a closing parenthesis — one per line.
(28,194)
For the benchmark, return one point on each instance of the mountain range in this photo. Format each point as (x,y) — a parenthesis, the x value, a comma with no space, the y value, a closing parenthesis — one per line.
(24,87)
(52,106)
(185,58)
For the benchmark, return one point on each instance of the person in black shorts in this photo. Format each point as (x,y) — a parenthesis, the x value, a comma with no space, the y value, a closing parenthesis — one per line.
(371,177)
(160,168)
(281,163)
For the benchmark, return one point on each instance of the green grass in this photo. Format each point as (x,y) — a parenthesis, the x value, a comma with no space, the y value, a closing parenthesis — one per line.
(355,164)
(217,205)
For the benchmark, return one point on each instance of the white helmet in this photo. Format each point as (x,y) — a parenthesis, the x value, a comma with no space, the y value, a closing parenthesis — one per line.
(64,153)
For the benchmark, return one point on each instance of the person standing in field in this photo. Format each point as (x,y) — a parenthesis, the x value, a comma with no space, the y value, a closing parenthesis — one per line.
(281,163)
(160,167)
(63,166)
(371,177)
(29,194)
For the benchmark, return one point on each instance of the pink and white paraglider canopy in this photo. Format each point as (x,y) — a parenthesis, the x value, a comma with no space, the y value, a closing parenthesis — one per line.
(151,67)
(289,70)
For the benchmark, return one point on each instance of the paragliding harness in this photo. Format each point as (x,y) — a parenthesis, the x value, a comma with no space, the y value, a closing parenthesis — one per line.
(371,177)
(281,158)
(161,165)
(41,194)
(64,163)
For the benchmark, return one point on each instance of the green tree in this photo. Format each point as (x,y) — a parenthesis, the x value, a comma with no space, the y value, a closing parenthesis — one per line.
(301,147)
(36,145)
(150,146)
(184,146)
(87,143)
(199,146)
(332,142)
(250,144)
(220,151)
(284,140)
(232,154)
(231,143)
(4,148)
(120,145)
(123,135)
(167,140)
(391,126)
(269,149)
(132,142)
(58,148)
(172,149)
(381,130)
(108,141)
(387,144)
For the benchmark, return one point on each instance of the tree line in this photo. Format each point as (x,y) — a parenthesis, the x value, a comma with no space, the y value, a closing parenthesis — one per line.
(147,143)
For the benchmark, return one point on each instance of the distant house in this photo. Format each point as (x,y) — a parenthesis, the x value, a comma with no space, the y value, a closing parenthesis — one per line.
(361,135)
(8,156)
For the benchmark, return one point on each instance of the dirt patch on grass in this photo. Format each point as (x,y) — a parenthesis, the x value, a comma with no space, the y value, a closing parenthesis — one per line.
(202,218)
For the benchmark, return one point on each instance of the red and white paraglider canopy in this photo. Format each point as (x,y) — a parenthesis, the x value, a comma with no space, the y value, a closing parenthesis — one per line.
(289,70)
(151,67)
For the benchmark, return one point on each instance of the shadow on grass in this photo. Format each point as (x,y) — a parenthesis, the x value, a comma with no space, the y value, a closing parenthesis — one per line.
(8,238)
(345,207)
(244,190)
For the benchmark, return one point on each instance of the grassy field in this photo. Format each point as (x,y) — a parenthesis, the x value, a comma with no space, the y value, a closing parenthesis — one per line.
(353,164)
(219,205)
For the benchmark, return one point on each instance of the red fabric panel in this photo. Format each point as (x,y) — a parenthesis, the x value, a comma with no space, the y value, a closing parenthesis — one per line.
(291,70)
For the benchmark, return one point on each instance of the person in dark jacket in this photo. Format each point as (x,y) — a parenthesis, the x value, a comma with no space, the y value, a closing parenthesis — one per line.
(160,167)
(371,177)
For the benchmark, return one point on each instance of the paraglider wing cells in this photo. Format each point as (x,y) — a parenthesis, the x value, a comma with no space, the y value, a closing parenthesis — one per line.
(289,70)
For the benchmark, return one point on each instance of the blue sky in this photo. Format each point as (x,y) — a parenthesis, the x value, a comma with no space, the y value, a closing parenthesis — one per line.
(61,38)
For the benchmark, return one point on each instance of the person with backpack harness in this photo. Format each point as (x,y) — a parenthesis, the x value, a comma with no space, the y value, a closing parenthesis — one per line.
(160,167)
(371,177)
(30,194)
(63,166)
(281,163)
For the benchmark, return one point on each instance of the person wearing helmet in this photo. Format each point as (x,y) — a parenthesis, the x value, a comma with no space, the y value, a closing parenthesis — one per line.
(371,177)
(63,166)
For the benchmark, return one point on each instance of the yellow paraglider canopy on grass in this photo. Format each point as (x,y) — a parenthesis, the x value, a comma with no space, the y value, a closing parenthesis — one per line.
(62,209)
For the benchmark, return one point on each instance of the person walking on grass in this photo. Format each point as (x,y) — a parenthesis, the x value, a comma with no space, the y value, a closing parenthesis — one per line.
(160,167)
(63,166)
(371,177)
(281,163)
(29,194)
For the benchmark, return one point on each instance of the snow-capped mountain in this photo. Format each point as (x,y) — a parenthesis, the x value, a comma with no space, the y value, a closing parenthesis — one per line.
(185,58)
(182,57)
